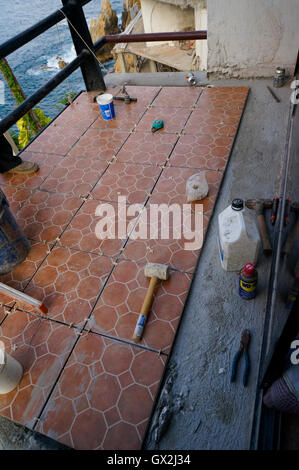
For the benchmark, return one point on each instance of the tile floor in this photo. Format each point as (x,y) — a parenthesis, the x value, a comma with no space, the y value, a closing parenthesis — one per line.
(86,383)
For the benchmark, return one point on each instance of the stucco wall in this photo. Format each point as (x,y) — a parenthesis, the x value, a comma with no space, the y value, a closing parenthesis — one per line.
(251,37)
(163,17)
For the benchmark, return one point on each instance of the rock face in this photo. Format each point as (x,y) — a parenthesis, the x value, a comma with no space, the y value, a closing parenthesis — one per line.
(107,23)
(126,16)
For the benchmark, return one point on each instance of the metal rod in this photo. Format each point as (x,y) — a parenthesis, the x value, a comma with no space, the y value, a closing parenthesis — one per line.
(149,37)
(31,33)
(79,30)
(42,92)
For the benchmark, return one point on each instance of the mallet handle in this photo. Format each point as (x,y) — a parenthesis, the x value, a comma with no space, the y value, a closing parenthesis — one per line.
(145,309)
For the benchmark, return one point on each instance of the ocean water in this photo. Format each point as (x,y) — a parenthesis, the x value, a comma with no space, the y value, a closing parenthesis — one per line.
(28,62)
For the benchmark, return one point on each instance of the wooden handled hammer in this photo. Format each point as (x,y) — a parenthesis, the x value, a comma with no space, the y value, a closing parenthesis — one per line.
(156,272)
(259,205)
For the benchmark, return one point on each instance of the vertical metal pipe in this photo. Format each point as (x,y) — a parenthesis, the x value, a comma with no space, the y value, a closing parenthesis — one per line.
(90,69)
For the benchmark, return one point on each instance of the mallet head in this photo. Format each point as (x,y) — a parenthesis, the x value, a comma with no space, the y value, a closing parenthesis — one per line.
(156,270)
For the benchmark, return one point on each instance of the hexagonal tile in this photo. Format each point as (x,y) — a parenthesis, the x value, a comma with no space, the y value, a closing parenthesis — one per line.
(223,97)
(117,310)
(45,215)
(21,275)
(215,122)
(123,179)
(173,119)
(126,117)
(15,196)
(178,97)
(202,151)
(81,233)
(69,282)
(114,412)
(46,163)
(73,176)
(41,346)
(99,143)
(56,139)
(147,148)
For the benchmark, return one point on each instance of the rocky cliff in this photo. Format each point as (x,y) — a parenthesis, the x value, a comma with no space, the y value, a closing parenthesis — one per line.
(106,23)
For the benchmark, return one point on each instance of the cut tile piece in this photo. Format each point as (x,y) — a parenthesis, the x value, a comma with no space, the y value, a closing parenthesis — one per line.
(22,274)
(41,346)
(56,139)
(118,307)
(178,97)
(125,179)
(45,215)
(104,396)
(75,176)
(145,148)
(214,122)
(69,282)
(99,143)
(81,233)
(202,151)
(46,163)
(126,117)
(223,97)
(175,241)
(174,119)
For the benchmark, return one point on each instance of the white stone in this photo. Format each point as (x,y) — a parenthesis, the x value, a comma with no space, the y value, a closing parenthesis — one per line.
(197,187)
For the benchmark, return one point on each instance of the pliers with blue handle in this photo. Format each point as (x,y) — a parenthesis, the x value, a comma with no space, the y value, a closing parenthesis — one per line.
(244,344)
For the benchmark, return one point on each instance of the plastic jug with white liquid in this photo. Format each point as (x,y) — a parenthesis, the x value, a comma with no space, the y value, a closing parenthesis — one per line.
(239,239)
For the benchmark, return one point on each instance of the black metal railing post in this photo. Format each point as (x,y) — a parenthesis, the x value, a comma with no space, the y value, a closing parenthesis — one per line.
(91,70)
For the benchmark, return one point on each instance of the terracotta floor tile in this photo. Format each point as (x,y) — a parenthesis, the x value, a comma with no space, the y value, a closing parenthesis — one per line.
(147,148)
(80,116)
(99,143)
(168,246)
(178,97)
(223,97)
(20,276)
(81,233)
(41,346)
(144,94)
(15,196)
(46,164)
(69,283)
(171,188)
(56,139)
(214,121)
(126,117)
(202,151)
(110,414)
(45,215)
(124,179)
(75,176)
(173,119)
(118,307)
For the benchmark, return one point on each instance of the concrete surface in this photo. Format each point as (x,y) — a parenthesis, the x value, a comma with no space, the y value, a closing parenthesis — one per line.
(251,37)
(200,408)
(14,436)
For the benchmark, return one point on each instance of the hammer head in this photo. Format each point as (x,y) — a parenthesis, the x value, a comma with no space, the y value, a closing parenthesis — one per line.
(156,270)
(257,204)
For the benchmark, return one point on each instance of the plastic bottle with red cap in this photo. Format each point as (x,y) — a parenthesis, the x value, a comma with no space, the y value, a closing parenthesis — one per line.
(248,281)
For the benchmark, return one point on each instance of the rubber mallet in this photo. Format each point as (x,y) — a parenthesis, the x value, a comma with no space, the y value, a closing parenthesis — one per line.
(156,272)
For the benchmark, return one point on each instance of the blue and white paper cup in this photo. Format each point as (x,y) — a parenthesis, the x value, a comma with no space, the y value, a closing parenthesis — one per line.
(106,106)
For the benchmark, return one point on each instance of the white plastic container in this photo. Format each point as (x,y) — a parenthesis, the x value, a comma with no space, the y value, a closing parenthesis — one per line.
(106,106)
(11,373)
(239,239)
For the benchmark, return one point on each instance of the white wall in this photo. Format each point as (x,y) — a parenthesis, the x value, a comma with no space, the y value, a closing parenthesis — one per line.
(252,37)
(164,17)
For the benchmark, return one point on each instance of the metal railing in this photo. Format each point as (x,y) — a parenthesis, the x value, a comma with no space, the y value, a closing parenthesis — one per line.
(85,49)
